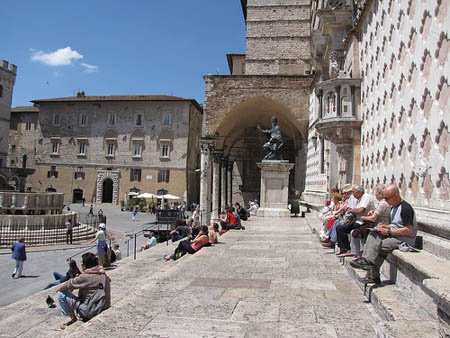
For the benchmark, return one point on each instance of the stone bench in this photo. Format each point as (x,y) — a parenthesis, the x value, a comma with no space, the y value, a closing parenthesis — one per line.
(417,287)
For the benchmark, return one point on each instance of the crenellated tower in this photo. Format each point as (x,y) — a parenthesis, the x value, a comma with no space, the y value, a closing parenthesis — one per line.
(7,80)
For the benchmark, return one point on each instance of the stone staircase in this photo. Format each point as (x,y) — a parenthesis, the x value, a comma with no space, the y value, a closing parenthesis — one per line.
(415,289)
(81,232)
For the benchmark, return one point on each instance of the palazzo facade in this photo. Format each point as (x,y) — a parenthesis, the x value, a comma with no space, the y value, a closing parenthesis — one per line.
(100,148)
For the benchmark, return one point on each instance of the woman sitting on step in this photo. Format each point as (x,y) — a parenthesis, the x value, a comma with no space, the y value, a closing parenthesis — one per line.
(190,247)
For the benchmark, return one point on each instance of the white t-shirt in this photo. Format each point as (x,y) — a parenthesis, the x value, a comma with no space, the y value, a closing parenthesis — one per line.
(366,202)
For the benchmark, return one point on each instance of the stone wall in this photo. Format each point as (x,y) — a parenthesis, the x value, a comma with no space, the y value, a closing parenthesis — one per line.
(224,93)
(405,68)
(277,37)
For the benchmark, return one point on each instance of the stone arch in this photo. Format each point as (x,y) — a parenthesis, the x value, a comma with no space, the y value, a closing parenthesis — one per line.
(238,136)
(102,175)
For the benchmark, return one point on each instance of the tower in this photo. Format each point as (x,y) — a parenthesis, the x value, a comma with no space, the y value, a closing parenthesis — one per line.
(7,80)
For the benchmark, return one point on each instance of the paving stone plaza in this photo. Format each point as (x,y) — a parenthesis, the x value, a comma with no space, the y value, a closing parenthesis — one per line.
(271,280)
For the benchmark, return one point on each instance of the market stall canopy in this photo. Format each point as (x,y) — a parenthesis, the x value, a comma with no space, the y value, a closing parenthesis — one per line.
(146,195)
(132,193)
(168,197)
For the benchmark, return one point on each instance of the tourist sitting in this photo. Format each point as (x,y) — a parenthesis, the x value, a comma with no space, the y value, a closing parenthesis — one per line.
(253,209)
(60,278)
(329,217)
(213,233)
(181,230)
(238,219)
(86,283)
(387,237)
(243,214)
(347,200)
(117,252)
(186,246)
(373,218)
(363,206)
(151,242)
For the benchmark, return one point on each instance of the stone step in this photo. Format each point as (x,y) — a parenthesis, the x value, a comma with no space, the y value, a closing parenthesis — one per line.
(438,246)
(401,300)
(127,274)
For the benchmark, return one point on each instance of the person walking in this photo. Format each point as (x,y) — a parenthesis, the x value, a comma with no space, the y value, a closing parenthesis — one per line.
(133,214)
(69,231)
(20,255)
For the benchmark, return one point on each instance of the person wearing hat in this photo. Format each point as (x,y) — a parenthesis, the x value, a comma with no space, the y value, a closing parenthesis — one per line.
(102,247)
(348,201)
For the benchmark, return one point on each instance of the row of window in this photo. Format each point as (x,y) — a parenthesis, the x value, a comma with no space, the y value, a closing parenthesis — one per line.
(112,119)
(111,146)
(135,174)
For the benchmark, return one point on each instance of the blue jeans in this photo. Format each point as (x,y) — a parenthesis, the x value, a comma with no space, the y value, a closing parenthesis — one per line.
(176,237)
(333,233)
(65,301)
(58,280)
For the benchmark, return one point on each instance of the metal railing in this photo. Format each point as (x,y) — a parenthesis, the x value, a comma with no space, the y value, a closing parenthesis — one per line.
(41,230)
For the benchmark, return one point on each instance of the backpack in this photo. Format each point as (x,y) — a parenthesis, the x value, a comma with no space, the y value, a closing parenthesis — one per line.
(96,302)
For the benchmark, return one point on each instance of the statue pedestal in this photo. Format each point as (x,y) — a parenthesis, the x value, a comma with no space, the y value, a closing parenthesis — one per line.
(274,188)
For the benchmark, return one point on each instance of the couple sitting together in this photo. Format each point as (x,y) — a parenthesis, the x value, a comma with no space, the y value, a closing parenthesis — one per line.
(204,237)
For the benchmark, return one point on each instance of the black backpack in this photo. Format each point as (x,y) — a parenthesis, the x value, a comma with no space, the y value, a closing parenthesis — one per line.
(96,302)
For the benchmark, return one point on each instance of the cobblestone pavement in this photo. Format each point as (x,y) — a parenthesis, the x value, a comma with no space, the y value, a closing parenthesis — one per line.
(42,261)
(271,280)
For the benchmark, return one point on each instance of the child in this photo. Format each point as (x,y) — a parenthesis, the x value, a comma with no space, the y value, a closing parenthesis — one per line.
(117,252)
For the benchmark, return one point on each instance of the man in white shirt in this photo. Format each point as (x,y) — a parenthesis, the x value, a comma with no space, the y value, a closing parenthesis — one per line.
(362,208)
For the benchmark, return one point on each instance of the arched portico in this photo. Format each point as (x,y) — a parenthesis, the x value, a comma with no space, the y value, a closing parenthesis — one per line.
(232,144)
(242,143)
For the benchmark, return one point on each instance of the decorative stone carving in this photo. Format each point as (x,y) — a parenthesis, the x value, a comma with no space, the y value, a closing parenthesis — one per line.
(334,65)
(102,175)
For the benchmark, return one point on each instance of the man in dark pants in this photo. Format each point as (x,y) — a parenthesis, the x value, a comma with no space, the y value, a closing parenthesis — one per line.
(69,231)
(387,237)
(364,205)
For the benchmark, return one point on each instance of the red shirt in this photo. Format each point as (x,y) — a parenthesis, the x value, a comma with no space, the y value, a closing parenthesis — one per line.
(231,219)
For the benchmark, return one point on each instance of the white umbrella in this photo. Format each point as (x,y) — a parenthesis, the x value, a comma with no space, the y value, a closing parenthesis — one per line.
(146,195)
(170,197)
(132,193)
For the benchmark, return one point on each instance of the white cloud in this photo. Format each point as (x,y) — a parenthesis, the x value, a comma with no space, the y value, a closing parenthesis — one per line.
(60,57)
(89,68)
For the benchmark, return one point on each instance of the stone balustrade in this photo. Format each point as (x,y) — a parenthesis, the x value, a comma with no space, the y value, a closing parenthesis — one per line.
(13,200)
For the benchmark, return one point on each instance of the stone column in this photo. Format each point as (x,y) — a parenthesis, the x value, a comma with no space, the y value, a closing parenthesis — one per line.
(204,195)
(230,182)
(215,188)
(223,170)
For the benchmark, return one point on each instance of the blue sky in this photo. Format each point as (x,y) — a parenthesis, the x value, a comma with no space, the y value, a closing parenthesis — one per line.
(117,47)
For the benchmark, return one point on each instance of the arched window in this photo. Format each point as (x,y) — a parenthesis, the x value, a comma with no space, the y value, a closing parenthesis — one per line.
(331,103)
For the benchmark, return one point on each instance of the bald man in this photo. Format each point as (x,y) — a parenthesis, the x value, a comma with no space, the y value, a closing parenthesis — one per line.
(387,237)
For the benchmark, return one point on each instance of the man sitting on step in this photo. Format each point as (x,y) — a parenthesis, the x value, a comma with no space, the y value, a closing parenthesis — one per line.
(387,237)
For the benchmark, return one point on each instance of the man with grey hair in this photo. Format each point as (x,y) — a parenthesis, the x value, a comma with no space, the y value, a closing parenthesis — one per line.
(387,237)
(364,205)
(374,217)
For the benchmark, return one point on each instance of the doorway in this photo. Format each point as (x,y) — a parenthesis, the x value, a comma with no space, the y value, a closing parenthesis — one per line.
(107,191)
(77,196)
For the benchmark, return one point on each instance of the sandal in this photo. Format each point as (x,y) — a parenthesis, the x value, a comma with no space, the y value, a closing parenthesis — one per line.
(65,325)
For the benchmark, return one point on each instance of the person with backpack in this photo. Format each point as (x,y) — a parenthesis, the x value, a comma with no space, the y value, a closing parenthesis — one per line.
(94,292)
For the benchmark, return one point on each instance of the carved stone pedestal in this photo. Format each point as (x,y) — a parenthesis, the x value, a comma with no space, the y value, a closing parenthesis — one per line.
(274,188)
